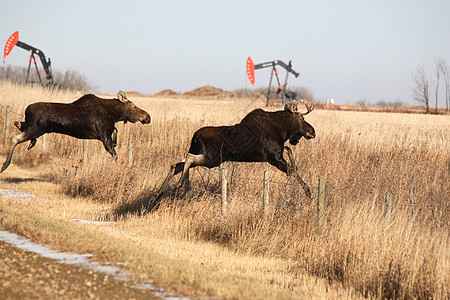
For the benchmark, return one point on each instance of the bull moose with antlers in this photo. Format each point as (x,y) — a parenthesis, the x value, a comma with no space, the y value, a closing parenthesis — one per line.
(89,117)
(259,137)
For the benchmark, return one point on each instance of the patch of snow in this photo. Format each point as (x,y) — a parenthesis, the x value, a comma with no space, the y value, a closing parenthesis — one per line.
(16,195)
(90,222)
(98,223)
(83,260)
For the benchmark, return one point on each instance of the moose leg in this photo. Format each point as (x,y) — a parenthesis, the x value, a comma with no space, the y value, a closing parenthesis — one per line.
(281,164)
(20,138)
(292,169)
(19,125)
(187,183)
(303,184)
(191,160)
(114,137)
(174,170)
(109,146)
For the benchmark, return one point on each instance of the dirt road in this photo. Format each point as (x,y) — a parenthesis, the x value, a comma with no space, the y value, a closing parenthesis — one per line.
(27,275)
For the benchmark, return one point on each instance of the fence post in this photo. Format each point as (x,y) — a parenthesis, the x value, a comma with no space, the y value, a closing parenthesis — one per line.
(84,160)
(320,205)
(130,154)
(43,146)
(224,190)
(8,111)
(266,193)
(387,203)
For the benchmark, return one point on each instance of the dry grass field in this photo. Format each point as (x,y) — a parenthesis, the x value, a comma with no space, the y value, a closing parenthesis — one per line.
(364,249)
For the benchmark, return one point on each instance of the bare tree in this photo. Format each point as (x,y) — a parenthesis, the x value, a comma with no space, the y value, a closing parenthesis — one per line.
(301,91)
(73,80)
(70,79)
(13,73)
(304,93)
(421,87)
(439,64)
(444,70)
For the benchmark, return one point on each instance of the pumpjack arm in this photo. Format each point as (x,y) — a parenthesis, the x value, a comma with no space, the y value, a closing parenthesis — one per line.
(46,64)
(273,63)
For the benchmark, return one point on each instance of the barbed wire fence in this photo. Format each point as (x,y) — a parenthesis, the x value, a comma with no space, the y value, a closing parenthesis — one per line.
(286,204)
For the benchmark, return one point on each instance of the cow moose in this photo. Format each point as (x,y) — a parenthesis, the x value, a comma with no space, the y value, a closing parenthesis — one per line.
(259,137)
(89,117)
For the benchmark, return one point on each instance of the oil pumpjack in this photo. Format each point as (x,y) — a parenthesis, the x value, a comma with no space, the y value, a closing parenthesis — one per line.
(14,41)
(282,92)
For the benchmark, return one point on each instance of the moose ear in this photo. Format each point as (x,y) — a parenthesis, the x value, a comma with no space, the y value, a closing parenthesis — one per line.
(122,97)
(291,107)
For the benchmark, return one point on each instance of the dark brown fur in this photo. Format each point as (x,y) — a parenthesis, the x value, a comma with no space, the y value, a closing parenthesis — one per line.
(259,137)
(89,117)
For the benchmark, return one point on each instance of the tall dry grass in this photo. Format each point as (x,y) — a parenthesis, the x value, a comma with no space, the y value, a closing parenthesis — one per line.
(403,254)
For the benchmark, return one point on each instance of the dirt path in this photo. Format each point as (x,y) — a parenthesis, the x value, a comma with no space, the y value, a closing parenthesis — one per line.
(26,275)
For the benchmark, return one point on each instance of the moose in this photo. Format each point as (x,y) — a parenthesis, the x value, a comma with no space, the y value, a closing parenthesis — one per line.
(89,117)
(259,137)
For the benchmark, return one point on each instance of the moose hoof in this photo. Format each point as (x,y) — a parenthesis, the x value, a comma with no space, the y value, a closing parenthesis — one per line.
(31,145)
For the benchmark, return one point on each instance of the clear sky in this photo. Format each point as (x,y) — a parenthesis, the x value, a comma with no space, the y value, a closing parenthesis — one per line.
(348,50)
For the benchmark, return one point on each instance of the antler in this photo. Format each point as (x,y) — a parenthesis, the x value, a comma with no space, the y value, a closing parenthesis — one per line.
(309,108)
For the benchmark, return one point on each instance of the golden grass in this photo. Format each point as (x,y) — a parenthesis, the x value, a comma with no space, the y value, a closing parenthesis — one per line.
(194,268)
(404,253)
